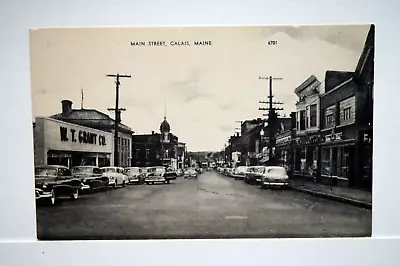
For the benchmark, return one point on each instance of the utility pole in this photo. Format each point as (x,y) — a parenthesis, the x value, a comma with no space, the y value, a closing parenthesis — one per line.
(117,111)
(272,114)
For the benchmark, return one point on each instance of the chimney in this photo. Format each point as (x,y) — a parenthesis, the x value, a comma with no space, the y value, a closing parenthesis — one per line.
(152,132)
(66,107)
(237,134)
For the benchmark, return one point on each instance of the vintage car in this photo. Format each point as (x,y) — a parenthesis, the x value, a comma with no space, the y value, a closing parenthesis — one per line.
(274,176)
(170,174)
(239,172)
(115,176)
(179,172)
(190,172)
(135,175)
(91,177)
(155,175)
(53,182)
(254,174)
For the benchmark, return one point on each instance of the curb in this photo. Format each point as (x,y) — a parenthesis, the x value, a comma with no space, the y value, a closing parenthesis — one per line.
(354,202)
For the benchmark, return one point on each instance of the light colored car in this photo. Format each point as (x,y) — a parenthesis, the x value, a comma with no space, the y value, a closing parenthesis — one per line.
(134,174)
(191,172)
(240,172)
(115,176)
(155,175)
(274,176)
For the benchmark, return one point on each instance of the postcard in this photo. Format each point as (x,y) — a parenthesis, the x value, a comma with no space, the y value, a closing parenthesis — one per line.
(203,132)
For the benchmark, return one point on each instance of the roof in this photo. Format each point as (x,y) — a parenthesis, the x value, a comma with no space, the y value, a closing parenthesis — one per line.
(165,127)
(88,117)
(368,51)
(305,84)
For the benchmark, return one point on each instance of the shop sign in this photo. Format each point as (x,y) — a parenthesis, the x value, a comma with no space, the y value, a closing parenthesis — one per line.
(284,140)
(81,136)
(333,136)
(308,140)
(367,138)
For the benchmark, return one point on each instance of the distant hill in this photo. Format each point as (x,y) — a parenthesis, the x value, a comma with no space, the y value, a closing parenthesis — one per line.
(201,155)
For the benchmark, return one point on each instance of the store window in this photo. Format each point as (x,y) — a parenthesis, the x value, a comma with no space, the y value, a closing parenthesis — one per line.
(300,158)
(326,161)
(313,115)
(311,161)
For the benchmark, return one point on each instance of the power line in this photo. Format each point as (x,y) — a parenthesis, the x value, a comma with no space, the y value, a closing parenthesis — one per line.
(117,111)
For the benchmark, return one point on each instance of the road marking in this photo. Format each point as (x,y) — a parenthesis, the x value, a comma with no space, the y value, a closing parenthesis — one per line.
(235,217)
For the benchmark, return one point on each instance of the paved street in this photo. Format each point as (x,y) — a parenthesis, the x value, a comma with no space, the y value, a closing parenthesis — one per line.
(211,206)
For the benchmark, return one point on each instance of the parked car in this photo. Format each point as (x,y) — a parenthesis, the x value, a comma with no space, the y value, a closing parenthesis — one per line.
(190,172)
(274,176)
(155,175)
(254,174)
(179,172)
(91,177)
(53,182)
(170,174)
(240,172)
(135,175)
(115,175)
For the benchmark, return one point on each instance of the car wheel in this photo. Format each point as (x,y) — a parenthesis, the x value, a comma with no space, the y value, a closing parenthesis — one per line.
(53,197)
(124,184)
(168,181)
(75,195)
(115,184)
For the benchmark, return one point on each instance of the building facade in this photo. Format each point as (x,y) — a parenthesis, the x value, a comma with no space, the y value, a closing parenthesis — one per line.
(284,143)
(307,137)
(158,149)
(60,143)
(97,120)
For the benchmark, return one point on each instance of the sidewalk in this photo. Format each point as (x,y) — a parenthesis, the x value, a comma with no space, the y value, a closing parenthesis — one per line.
(352,196)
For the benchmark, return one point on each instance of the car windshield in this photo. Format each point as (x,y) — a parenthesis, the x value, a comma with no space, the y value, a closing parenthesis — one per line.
(82,170)
(132,170)
(258,170)
(105,170)
(45,171)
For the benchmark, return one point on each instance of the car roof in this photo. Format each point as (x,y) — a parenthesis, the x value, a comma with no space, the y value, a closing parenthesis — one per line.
(51,166)
(274,167)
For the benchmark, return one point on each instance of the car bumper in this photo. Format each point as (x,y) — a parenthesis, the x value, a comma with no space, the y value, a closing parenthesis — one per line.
(275,183)
(155,180)
(238,176)
(134,180)
(111,182)
(42,195)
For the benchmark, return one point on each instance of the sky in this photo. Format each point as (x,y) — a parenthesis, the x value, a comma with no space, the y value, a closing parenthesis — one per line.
(205,90)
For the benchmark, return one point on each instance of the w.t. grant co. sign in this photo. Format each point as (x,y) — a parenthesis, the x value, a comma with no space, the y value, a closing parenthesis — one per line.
(59,135)
(81,136)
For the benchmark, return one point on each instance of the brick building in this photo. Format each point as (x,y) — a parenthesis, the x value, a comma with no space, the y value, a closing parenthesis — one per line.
(158,149)
(346,121)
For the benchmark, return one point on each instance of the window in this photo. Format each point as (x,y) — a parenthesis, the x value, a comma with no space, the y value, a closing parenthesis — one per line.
(297,120)
(329,120)
(347,114)
(307,116)
(137,153)
(302,120)
(147,153)
(313,115)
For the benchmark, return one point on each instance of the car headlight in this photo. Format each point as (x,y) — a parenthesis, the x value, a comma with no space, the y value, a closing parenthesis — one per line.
(83,180)
(44,185)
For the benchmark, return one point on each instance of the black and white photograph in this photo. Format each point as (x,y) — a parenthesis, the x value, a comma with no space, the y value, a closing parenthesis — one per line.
(202,132)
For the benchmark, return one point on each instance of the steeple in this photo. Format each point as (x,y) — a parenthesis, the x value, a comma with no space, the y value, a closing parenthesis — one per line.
(165,127)
(165,109)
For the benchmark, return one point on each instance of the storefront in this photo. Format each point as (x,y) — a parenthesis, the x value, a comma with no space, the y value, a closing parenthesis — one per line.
(60,143)
(306,153)
(283,150)
(338,154)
